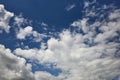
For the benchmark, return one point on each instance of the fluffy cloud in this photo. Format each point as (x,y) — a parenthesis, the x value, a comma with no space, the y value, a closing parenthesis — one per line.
(5,16)
(91,54)
(13,67)
(81,61)
(27,32)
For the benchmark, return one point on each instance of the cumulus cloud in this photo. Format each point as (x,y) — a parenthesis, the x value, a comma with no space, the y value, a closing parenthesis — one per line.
(13,67)
(5,17)
(27,32)
(90,54)
(87,55)
(82,62)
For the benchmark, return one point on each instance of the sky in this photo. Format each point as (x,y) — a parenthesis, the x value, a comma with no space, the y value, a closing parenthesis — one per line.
(59,40)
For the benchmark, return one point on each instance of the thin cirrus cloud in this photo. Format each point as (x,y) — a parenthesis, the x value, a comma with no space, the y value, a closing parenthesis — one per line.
(90,52)
(70,7)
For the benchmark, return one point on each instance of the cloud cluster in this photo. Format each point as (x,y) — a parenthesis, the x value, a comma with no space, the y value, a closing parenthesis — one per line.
(77,60)
(20,21)
(27,32)
(90,52)
(5,17)
(13,67)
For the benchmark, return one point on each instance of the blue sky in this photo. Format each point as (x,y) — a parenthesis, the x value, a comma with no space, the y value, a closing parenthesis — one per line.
(54,13)
(59,40)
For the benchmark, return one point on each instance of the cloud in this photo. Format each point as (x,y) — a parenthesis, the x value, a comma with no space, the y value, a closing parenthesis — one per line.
(92,53)
(86,55)
(20,21)
(44,24)
(88,3)
(27,32)
(5,17)
(76,59)
(82,24)
(13,67)
(115,14)
(70,7)
(44,76)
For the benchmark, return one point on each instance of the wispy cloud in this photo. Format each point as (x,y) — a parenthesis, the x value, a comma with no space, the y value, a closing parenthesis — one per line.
(70,7)
(44,24)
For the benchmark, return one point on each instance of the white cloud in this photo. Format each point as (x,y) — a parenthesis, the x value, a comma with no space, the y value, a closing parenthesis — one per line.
(86,4)
(27,32)
(82,62)
(5,16)
(44,24)
(38,36)
(115,14)
(89,56)
(13,67)
(89,3)
(70,7)
(20,20)
(82,24)
(44,76)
